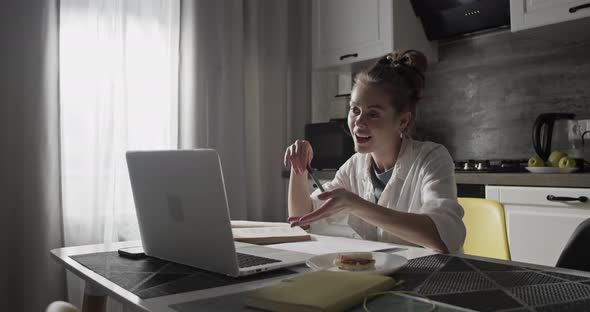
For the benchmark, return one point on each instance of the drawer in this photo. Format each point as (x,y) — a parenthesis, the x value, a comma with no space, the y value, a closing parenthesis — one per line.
(537,196)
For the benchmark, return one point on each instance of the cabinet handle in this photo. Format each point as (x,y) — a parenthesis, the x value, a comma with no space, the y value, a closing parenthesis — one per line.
(349,55)
(579,7)
(582,199)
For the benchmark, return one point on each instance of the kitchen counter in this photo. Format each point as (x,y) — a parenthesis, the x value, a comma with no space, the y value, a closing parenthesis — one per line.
(518,179)
(526,179)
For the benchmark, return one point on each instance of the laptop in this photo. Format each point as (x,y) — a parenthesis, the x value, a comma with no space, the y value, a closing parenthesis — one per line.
(183,214)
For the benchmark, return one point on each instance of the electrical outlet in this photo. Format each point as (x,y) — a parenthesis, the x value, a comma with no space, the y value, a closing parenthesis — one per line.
(584,125)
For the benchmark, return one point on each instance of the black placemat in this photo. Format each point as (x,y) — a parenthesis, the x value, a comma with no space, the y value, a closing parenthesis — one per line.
(490,286)
(151,277)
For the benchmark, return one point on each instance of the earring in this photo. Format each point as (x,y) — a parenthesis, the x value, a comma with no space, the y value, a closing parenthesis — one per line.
(401,133)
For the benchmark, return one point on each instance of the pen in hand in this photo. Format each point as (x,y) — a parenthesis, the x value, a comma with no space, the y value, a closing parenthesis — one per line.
(315,179)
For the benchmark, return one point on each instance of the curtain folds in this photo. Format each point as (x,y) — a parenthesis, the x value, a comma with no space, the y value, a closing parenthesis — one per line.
(211,88)
(30,213)
(244,90)
(277,96)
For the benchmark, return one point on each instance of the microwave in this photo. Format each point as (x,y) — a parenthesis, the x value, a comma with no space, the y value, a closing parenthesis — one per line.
(332,143)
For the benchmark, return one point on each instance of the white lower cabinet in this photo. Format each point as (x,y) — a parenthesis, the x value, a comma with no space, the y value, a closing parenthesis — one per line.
(538,228)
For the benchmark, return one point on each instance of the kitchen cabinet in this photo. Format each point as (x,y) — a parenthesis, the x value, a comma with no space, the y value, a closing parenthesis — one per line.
(348,31)
(525,14)
(537,227)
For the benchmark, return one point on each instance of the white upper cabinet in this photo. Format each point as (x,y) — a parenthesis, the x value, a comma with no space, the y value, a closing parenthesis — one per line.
(526,14)
(348,31)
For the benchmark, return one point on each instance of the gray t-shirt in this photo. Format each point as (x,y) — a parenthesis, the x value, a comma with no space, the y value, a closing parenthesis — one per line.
(379,180)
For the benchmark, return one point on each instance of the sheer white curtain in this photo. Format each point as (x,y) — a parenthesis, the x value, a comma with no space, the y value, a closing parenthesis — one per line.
(118,92)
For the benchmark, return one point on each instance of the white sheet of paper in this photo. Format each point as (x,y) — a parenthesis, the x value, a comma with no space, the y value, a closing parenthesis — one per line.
(321,244)
(327,244)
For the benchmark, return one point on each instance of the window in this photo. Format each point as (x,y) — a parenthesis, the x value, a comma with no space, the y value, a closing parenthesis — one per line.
(118,92)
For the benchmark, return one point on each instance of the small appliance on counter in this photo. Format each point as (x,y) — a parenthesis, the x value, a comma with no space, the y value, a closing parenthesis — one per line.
(332,143)
(561,132)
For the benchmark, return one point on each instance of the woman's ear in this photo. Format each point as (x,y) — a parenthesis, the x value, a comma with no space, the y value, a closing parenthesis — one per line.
(404,120)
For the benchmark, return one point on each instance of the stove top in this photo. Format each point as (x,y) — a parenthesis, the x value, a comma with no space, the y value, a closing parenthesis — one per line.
(491,166)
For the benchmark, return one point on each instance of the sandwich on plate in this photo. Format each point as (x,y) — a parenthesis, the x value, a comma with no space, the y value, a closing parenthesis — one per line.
(355,261)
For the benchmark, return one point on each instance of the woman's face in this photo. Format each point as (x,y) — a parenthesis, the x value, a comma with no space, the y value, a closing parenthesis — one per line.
(373,123)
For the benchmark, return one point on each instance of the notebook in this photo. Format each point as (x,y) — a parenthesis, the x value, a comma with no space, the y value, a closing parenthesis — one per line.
(318,291)
(267,232)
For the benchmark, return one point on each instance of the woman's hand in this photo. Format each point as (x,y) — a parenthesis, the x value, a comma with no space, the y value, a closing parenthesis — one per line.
(337,200)
(291,220)
(299,155)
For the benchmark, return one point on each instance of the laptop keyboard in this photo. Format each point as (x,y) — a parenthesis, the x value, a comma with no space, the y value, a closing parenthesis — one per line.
(245,260)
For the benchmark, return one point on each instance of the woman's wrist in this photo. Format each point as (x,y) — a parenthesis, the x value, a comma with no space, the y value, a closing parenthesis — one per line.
(300,174)
(364,208)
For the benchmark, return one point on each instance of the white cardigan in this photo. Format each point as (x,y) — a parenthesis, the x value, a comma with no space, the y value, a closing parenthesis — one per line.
(422,181)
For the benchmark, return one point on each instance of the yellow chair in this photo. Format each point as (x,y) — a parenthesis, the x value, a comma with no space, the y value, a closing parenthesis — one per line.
(486,228)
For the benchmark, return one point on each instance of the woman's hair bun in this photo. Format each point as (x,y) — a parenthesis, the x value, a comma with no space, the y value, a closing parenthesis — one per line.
(402,73)
(411,58)
(410,65)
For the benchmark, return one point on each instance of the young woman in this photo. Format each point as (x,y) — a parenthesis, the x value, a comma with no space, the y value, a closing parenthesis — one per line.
(393,189)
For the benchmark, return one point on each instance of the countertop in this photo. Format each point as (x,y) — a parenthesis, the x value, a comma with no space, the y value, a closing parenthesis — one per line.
(526,179)
(518,179)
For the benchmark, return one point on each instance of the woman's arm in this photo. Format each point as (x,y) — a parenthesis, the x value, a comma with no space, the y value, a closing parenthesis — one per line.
(299,156)
(299,202)
(412,227)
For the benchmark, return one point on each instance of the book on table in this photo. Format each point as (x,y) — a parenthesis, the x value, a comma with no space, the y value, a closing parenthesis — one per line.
(318,291)
(267,232)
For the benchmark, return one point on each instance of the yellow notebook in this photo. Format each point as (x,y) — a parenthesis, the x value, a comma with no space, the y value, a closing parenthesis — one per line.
(318,291)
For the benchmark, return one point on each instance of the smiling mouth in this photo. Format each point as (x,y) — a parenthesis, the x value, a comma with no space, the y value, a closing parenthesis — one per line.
(361,139)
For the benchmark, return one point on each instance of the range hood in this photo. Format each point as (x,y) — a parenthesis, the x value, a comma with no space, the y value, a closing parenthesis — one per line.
(444,19)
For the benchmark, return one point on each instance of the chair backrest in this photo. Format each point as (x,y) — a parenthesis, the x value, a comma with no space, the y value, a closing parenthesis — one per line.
(576,254)
(61,306)
(486,228)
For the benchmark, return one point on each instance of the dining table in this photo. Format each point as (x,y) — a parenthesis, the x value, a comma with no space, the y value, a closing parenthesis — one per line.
(426,281)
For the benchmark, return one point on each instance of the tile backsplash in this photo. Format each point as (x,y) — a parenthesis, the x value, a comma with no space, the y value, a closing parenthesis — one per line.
(483,96)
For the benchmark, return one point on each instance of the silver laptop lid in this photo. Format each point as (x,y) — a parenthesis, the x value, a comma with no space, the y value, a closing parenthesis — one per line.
(182,208)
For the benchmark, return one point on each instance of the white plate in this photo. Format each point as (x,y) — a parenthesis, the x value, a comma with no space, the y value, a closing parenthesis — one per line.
(550,169)
(385,263)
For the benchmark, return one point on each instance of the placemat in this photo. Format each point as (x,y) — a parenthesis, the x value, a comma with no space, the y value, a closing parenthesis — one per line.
(489,286)
(151,277)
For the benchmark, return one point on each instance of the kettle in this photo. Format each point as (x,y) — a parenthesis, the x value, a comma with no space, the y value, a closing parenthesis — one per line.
(556,131)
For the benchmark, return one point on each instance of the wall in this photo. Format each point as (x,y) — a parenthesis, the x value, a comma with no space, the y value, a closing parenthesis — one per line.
(483,96)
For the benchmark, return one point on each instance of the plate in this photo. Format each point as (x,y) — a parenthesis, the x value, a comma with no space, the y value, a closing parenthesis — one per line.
(550,169)
(384,263)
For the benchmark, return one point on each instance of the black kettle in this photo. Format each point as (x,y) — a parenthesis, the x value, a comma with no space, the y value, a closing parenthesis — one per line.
(543,132)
